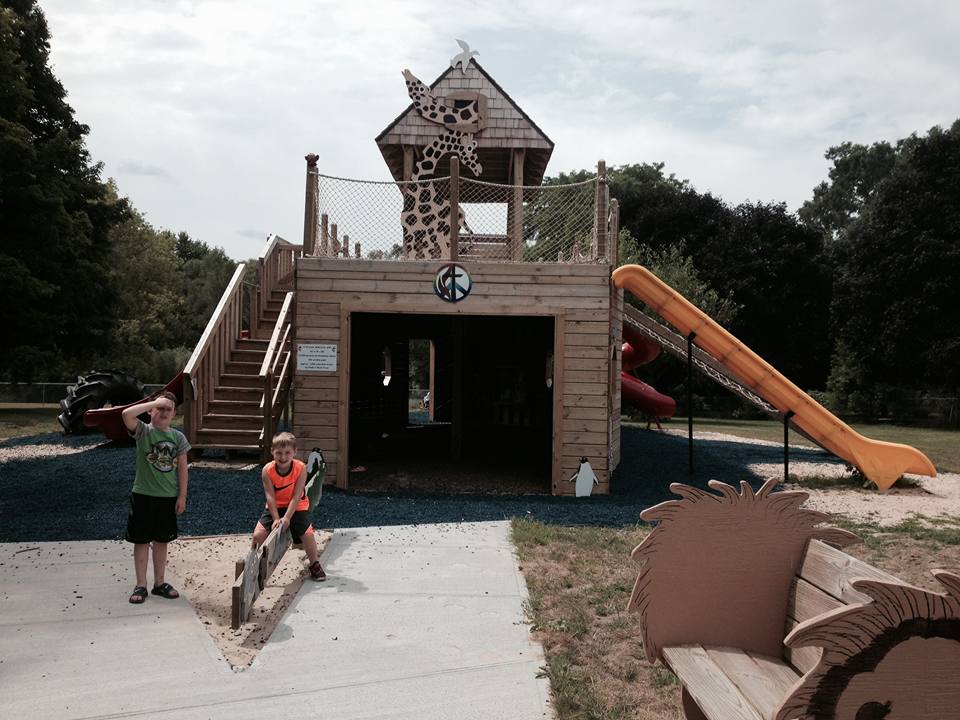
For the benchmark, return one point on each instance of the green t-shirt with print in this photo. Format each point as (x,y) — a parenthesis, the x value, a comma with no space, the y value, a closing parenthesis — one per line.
(157,453)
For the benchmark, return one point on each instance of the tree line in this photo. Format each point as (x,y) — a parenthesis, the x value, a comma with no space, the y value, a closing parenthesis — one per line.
(86,280)
(855,296)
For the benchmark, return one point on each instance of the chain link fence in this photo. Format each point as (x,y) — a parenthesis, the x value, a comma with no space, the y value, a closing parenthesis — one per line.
(505,223)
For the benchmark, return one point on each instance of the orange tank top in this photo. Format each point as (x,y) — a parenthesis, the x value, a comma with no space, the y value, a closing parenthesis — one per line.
(283,484)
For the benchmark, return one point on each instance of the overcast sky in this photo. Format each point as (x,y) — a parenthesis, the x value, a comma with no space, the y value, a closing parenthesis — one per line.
(202,110)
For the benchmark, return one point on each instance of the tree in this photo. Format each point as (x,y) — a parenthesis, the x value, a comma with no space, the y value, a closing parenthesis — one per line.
(54,210)
(856,171)
(895,294)
(676,268)
(757,256)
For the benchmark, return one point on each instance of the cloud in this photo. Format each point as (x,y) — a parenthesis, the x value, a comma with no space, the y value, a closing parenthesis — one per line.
(742,99)
(136,167)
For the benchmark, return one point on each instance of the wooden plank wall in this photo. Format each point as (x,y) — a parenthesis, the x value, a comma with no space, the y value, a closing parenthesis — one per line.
(577,296)
(616,353)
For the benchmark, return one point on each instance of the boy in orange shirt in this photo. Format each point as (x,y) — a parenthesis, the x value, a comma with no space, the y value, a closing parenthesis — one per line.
(284,480)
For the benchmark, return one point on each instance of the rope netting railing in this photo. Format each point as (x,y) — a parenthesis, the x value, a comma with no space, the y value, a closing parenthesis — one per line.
(411,220)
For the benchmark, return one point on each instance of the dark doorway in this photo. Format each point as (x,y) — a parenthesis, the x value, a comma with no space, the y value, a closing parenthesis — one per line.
(487,425)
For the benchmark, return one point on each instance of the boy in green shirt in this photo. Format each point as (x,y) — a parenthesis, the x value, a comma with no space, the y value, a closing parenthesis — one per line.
(159,490)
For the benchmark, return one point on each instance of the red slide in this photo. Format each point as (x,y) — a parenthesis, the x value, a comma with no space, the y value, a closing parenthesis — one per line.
(638,349)
(110,421)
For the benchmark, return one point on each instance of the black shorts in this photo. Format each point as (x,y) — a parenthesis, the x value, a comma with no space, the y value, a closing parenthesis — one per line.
(299,523)
(151,519)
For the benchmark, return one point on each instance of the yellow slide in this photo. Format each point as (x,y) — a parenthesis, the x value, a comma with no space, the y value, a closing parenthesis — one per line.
(881,462)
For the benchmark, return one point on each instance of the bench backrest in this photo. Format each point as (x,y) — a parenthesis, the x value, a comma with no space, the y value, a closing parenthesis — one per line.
(823,583)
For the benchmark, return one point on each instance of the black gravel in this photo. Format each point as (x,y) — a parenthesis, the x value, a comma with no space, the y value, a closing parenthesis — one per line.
(83,496)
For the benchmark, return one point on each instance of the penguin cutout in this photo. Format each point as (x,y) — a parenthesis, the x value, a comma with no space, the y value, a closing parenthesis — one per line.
(316,472)
(585,479)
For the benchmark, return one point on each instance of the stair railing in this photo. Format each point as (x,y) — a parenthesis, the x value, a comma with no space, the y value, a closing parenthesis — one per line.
(211,354)
(276,374)
(275,269)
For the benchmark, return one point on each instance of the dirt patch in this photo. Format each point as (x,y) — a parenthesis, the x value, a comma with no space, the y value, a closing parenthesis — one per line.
(204,567)
(40,449)
(929,498)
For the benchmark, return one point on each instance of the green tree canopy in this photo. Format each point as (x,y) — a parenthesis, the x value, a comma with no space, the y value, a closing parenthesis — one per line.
(896,294)
(55,213)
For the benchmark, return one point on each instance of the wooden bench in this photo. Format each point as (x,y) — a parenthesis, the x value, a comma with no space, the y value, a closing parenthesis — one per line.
(749,601)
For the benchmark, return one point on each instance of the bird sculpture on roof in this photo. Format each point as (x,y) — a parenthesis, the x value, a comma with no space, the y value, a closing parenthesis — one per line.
(463,59)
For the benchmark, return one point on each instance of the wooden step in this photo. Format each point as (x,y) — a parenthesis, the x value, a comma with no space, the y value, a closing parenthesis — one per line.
(254,356)
(232,421)
(221,437)
(230,392)
(253,344)
(243,367)
(236,407)
(244,381)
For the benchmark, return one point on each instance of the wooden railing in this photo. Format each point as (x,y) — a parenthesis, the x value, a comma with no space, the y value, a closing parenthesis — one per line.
(211,354)
(274,272)
(276,374)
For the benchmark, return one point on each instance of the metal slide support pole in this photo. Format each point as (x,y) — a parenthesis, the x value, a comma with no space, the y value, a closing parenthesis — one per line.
(786,444)
(690,338)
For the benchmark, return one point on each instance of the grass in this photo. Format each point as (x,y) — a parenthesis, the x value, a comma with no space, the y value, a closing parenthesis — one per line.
(941,446)
(23,421)
(580,580)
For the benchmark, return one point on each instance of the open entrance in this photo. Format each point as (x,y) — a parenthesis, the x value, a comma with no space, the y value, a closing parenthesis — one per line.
(451,403)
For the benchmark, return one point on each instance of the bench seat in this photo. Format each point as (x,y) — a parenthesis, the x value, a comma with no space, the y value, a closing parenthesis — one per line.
(729,683)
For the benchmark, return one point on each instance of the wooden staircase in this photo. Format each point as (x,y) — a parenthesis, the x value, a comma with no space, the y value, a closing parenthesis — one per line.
(237,381)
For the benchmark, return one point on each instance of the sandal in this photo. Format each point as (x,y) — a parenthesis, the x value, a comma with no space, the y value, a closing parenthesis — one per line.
(317,573)
(166,590)
(138,595)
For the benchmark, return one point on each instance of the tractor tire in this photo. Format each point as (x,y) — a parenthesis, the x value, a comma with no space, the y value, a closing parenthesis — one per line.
(96,389)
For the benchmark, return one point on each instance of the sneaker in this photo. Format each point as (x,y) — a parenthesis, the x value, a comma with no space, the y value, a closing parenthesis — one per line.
(317,573)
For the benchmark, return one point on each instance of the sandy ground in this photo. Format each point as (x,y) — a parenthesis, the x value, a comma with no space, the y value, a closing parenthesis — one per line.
(928,498)
(204,567)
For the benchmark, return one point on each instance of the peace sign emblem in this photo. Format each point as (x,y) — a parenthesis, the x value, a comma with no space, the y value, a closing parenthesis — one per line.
(452,283)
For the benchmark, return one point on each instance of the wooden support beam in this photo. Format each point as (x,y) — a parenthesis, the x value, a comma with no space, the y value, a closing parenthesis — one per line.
(346,246)
(600,222)
(516,205)
(407,162)
(324,236)
(310,207)
(454,207)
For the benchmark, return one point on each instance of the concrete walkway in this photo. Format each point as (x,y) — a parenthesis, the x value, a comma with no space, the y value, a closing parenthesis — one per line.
(415,622)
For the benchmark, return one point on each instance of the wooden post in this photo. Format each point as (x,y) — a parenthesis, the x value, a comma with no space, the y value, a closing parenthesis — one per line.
(346,246)
(433,384)
(614,232)
(456,419)
(516,215)
(334,244)
(356,250)
(324,236)
(600,249)
(407,162)
(267,414)
(310,206)
(454,207)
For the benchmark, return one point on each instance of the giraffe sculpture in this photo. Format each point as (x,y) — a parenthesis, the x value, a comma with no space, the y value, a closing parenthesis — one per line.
(426,218)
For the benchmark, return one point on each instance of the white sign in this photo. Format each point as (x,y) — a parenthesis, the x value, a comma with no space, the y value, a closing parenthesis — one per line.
(317,358)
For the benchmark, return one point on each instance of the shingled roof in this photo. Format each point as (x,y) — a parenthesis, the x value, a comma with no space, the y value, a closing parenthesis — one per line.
(507,127)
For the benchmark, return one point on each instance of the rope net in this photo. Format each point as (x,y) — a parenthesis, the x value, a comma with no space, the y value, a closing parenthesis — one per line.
(412,220)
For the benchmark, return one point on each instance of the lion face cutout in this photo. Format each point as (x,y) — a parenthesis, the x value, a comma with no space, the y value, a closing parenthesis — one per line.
(890,659)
